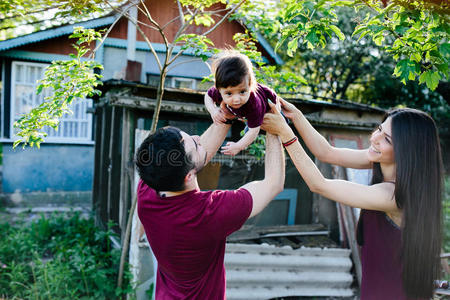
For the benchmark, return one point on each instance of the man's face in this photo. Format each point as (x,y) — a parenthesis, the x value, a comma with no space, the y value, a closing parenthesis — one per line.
(195,150)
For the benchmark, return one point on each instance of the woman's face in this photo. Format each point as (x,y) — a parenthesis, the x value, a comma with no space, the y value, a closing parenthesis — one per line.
(381,149)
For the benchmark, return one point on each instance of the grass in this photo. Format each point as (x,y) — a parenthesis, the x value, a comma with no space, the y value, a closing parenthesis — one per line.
(63,256)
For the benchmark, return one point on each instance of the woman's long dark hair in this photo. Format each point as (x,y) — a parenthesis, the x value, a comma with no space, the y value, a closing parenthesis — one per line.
(418,192)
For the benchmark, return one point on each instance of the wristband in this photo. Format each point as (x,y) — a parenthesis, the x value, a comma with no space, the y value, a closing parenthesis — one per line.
(290,142)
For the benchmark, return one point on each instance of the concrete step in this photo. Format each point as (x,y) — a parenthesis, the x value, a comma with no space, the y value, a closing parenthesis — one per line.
(331,264)
(260,292)
(289,278)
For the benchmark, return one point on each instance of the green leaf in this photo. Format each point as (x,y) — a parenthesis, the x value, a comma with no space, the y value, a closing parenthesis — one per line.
(17,142)
(430,78)
(416,57)
(445,49)
(337,31)
(443,68)
(292,47)
(378,39)
(405,69)
(312,37)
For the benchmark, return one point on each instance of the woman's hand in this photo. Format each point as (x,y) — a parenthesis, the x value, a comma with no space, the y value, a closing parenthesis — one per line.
(274,123)
(289,110)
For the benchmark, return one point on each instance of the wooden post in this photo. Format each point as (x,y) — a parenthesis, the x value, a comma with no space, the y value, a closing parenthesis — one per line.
(97,161)
(349,222)
(103,166)
(127,168)
(114,170)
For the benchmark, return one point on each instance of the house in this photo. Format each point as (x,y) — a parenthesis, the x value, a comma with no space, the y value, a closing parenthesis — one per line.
(61,171)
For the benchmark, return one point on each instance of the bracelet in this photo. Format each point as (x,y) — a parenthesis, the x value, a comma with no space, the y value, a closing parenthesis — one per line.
(290,142)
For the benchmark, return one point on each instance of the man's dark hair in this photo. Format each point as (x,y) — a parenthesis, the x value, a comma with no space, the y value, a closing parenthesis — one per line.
(161,160)
(231,68)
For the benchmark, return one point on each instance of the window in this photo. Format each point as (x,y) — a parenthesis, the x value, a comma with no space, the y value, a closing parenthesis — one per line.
(178,82)
(75,127)
(183,83)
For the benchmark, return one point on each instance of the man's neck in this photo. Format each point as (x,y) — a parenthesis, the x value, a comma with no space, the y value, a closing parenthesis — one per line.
(188,188)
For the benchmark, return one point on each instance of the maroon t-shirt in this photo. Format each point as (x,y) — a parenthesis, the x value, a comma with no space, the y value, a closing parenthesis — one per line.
(187,234)
(380,257)
(255,108)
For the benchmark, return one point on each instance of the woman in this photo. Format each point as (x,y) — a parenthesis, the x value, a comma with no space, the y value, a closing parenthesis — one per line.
(400,224)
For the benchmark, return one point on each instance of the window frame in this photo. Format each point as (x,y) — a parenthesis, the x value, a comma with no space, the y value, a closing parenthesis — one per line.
(49,139)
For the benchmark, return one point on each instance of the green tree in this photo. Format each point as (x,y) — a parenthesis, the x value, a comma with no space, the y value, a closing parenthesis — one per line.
(414,33)
(25,16)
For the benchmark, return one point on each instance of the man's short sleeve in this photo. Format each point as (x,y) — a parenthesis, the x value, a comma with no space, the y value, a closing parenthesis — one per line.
(229,210)
(215,95)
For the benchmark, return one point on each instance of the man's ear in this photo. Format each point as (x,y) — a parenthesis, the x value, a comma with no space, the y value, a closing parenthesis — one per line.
(189,176)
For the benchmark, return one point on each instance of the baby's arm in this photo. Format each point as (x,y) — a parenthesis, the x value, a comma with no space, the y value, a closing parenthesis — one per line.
(215,112)
(232,148)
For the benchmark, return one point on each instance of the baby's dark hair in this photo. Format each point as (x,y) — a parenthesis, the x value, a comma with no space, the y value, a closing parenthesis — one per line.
(231,68)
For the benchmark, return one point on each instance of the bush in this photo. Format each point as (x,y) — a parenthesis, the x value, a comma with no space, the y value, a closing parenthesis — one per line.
(59,257)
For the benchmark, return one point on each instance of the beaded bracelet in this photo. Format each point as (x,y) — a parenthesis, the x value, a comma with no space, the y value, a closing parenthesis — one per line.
(290,142)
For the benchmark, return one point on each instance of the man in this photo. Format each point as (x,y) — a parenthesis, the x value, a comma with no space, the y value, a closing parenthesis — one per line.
(187,228)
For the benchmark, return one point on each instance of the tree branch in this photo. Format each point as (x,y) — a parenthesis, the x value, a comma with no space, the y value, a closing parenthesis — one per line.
(170,22)
(184,26)
(224,17)
(176,56)
(127,15)
(180,12)
(180,63)
(161,31)
(107,33)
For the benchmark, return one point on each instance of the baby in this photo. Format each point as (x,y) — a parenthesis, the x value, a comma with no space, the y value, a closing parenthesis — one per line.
(237,92)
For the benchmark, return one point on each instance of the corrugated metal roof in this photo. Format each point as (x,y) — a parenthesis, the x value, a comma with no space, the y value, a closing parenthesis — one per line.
(54,32)
(266,271)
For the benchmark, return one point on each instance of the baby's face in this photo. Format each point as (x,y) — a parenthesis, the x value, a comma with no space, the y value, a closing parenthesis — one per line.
(236,96)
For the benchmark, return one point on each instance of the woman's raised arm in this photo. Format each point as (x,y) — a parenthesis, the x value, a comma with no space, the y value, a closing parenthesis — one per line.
(319,146)
(376,197)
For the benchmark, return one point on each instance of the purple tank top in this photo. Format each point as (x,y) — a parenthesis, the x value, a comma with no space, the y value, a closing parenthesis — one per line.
(380,240)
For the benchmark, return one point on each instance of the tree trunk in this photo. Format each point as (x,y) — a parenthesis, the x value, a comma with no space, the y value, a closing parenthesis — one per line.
(159,95)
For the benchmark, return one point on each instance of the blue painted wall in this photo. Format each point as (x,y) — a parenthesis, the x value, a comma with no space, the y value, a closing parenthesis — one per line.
(53,167)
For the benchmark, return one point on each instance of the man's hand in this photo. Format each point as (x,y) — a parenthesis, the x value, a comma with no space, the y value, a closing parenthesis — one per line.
(226,112)
(231,148)
(218,116)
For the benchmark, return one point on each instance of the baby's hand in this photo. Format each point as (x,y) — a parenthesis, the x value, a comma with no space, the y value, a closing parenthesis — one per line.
(231,148)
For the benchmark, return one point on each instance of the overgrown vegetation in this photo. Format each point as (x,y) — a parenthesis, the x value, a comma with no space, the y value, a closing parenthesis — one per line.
(59,257)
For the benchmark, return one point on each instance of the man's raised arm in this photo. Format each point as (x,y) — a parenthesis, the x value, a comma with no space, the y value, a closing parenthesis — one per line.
(273,183)
(213,138)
